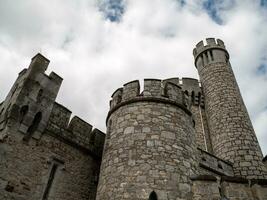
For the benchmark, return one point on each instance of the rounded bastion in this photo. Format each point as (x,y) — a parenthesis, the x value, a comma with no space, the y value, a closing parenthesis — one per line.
(150,143)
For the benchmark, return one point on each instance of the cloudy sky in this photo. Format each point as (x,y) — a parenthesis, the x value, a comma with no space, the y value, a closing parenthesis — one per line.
(98,45)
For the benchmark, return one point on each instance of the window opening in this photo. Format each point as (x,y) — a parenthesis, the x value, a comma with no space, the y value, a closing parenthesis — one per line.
(40,95)
(33,127)
(50,181)
(23,112)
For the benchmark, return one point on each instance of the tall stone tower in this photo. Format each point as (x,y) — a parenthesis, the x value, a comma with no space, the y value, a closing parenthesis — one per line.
(29,103)
(232,134)
(150,144)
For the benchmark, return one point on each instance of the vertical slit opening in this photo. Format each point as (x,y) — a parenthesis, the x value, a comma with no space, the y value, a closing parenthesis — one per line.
(50,181)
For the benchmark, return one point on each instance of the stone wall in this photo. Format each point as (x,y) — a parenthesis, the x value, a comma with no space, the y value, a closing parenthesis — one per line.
(26,169)
(150,144)
(43,153)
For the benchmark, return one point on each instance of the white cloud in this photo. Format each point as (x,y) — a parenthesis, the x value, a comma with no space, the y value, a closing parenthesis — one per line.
(154,39)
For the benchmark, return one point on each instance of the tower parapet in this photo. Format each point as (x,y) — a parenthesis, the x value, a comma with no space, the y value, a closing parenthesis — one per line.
(214,51)
(154,90)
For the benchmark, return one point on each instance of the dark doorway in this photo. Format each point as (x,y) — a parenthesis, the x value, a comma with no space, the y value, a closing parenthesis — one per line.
(153,196)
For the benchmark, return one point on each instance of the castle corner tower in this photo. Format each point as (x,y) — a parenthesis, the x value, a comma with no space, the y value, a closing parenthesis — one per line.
(232,134)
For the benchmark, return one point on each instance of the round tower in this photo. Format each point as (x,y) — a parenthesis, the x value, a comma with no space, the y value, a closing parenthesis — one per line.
(232,134)
(150,144)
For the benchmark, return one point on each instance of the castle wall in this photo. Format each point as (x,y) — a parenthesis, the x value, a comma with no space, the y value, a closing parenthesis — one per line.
(44,153)
(150,144)
(26,168)
(232,134)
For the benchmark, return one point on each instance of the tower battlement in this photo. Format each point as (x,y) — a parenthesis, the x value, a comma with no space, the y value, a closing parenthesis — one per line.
(213,51)
(168,91)
(184,91)
(75,130)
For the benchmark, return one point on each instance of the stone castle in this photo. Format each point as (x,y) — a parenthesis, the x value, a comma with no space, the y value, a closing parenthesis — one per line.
(178,139)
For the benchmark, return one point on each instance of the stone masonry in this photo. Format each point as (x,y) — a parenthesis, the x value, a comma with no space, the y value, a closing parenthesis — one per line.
(178,139)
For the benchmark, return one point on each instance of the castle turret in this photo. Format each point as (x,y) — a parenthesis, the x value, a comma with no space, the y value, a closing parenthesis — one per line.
(29,103)
(232,134)
(150,144)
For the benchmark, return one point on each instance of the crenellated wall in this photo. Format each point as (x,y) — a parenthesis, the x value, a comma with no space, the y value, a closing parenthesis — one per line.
(44,153)
(75,130)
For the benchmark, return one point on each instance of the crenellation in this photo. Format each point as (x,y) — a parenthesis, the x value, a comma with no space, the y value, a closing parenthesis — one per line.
(152,88)
(130,90)
(56,78)
(174,93)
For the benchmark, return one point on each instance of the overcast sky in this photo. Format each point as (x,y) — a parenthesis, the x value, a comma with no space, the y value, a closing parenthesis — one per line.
(97,46)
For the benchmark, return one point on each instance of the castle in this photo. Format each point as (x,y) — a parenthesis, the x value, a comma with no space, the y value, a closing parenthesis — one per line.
(178,139)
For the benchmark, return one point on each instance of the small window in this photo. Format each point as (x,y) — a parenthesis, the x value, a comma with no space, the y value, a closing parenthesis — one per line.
(23,112)
(211,55)
(119,98)
(40,95)
(193,96)
(220,166)
(33,127)
(153,196)
(203,159)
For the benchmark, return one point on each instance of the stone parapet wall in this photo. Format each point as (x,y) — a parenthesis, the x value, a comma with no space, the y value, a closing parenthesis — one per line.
(214,164)
(75,130)
(207,187)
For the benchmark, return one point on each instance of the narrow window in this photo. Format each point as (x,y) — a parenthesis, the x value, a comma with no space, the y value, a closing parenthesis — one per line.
(33,127)
(23,112)
(153,196)
(119,98)
(1,111)
(193,97)
(199,98)
(40,95)
(220,166)
(50,181)
(211,55)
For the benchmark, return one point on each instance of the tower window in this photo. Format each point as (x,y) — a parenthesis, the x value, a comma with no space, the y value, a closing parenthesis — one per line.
(211,55)
(220,166)
(33,127)
(153,196)
(40,95)
(23,112)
